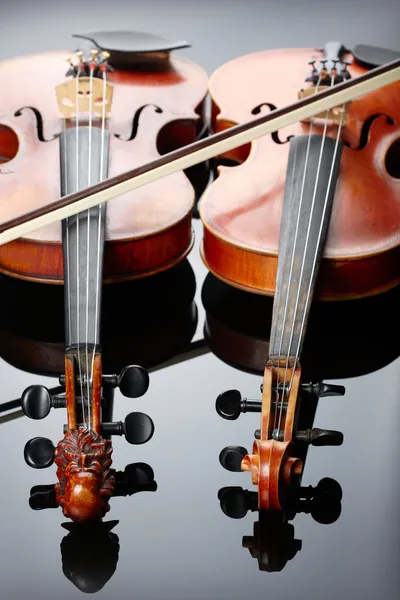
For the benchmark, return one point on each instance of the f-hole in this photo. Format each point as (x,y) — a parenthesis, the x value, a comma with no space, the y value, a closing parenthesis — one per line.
(135,122)
(366,129)
(39,122)
(392,159)
(9,144)
(274,134)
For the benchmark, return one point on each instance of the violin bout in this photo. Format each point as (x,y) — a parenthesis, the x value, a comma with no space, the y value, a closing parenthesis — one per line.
(86,479)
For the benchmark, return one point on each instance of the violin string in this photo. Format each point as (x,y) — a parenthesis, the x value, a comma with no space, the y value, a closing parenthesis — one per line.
(320,230)
(67,260)
(278,409)
(99,220)
(287,389)
(77,242)
(88,372)
(273,332)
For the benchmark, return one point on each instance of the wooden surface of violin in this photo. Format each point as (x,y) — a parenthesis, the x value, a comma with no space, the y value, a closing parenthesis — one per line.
(242,209)
(157,106)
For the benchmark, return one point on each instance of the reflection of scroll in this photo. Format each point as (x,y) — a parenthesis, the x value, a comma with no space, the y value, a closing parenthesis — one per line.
(273,542)
(89,555)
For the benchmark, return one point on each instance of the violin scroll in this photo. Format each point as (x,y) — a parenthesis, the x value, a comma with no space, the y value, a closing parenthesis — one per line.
(86,480)
(83,456)
(276,461)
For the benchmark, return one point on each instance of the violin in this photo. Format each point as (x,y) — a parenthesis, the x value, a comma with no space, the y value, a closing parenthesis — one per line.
(124,111)
(312,211)
(75,121)
(197,152)
(355,147)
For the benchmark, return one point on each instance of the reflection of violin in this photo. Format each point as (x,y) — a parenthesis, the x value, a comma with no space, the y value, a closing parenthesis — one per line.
(136,326)
(273,543)
(89,554)
(331,176)
(139,234)
(340,341)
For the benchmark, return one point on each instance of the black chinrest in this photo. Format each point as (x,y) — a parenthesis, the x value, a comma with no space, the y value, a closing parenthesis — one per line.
(127,48)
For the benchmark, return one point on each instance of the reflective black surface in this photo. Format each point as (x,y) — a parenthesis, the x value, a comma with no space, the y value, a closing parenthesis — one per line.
(177,541)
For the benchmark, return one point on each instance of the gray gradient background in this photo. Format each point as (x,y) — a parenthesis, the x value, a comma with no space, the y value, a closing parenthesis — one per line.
(176,544)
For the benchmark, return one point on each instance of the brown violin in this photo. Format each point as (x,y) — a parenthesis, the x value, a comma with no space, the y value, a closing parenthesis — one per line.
(242,210)
(67,123)
(312,211)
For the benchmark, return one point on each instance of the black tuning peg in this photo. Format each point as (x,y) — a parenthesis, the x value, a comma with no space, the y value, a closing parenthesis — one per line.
(39,453)
(231,458)
(323,501)
(235,502)
(133,381)
(323,389)
(137,477)
(36,402)
(137,428)
(42,497)
(315,437)
(320,437)
(326,487)
(324,512)
(230,404)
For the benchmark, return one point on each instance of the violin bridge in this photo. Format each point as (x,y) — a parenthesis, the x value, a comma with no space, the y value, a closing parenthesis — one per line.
(84,95)
(334,114)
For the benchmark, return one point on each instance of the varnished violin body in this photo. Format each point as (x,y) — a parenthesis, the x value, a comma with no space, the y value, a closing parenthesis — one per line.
(157,106)
(242,209)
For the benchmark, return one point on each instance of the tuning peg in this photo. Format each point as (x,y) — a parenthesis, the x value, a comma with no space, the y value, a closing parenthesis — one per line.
(36,402)
(133,381)
(320,437)
(137,428)
(323,389)
(235,502)
(39,453)
(324,512)
(137,477)
(231,458)
(42,497)
(230,404)
(323,501)
(326,487)
(315,437)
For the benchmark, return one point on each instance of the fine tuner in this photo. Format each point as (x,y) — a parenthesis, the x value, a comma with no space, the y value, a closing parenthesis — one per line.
(200,151)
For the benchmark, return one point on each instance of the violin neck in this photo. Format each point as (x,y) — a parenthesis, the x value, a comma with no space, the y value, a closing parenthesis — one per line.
(83,161)
(312,173)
